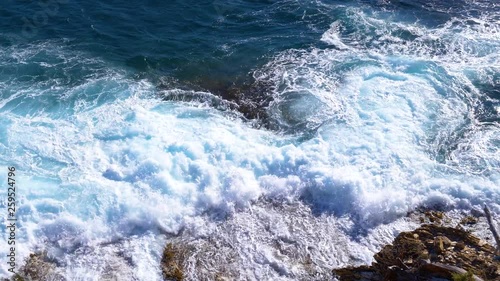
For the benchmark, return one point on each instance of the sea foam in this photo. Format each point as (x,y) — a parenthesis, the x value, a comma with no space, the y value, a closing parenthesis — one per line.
(366,137)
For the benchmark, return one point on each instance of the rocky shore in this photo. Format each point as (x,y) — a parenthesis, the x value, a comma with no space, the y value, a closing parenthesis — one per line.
(436,250)
(436,246)
(430,252)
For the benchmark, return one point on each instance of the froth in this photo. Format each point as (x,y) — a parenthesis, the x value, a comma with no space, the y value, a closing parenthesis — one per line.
(369,141)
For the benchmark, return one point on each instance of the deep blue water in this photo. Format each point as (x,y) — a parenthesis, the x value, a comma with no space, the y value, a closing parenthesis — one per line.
(191,40)
(127,119)
(178,38)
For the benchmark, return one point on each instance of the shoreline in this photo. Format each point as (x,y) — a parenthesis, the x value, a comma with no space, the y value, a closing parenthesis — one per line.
(314,247)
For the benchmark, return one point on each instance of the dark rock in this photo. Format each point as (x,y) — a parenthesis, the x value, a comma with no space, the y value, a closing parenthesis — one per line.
(358,273)
(247,96)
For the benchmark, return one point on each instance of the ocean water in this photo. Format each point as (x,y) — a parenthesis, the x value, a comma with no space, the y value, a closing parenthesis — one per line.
(129,120)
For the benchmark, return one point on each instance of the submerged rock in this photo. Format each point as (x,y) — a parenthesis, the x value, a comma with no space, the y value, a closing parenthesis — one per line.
(244,95)
(431,251)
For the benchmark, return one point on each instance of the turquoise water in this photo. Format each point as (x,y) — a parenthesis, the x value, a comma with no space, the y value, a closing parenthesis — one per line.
(126,120)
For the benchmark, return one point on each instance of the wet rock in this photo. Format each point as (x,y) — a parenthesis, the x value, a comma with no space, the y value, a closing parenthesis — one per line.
(469,220)
(434,216)
(460,246)
(247,96)
(172,262)
(367,273)
(431,251)
(38,267)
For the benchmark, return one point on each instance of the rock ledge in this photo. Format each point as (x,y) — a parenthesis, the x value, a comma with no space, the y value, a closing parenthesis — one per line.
(429,252)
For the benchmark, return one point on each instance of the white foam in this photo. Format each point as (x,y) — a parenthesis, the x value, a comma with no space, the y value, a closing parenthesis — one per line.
(332,36)
(112,163)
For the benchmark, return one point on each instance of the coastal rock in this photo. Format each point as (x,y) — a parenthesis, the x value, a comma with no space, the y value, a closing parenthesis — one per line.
(37,267)
(243,94)
(431,251)
(172,262)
